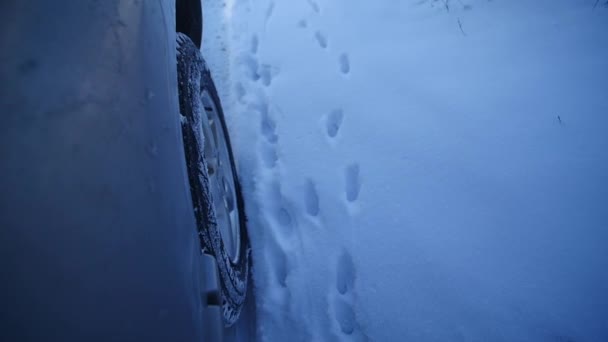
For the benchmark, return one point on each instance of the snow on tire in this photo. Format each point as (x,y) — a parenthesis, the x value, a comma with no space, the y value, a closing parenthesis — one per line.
(194,80)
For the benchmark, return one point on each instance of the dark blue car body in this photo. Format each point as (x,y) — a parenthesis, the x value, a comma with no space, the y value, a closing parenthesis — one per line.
(97,235)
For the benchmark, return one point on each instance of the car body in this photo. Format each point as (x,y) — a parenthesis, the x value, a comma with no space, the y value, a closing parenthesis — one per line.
(97,231)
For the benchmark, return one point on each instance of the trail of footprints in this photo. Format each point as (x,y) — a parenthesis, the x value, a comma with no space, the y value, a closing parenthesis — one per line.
(345,271)
(286,222)
(343,305)
(322,39)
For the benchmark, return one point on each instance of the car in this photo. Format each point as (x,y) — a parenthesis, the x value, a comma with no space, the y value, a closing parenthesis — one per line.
(121,212)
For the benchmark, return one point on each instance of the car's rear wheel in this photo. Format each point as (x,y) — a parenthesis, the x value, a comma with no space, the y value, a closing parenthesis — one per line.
(214,186)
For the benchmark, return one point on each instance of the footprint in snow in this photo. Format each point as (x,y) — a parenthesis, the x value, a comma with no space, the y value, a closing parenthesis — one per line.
(267,73)
(268,154)
(321,39)
(276,245)
(284,217)
(353,182)
(255,43)
(334,121)
(280,263)
(314,6)
(251,67)
(345,273)
(286,223)
(344,62)
(345,316)
(281,210)
(343,303)
(311,198)
(269,12)
(268,126)
(240,92)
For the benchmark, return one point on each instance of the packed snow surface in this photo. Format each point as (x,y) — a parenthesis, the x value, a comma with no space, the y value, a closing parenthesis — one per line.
(420,170)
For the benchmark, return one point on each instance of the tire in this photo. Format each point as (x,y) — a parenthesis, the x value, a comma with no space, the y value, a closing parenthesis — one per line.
(196,86)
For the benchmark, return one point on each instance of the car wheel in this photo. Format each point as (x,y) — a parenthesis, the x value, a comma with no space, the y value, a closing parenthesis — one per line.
(214,186)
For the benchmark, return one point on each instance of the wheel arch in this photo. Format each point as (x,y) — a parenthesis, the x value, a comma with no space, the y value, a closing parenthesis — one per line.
(189,19)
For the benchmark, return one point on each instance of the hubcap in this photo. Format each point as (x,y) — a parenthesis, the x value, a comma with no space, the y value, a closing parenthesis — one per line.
(221,179)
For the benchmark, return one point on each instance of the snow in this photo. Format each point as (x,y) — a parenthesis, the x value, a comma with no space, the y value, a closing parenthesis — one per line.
(420,170)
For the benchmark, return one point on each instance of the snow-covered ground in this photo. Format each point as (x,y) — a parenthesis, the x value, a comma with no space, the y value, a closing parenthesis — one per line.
(422,170)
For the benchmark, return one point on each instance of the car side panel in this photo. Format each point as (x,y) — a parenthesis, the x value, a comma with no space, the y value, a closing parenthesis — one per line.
(97,235)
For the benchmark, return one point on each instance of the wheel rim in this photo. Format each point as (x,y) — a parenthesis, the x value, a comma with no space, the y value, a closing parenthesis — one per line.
(221,177)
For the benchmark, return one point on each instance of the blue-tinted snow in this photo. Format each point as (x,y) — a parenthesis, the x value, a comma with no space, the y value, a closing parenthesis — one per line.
(429,173)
